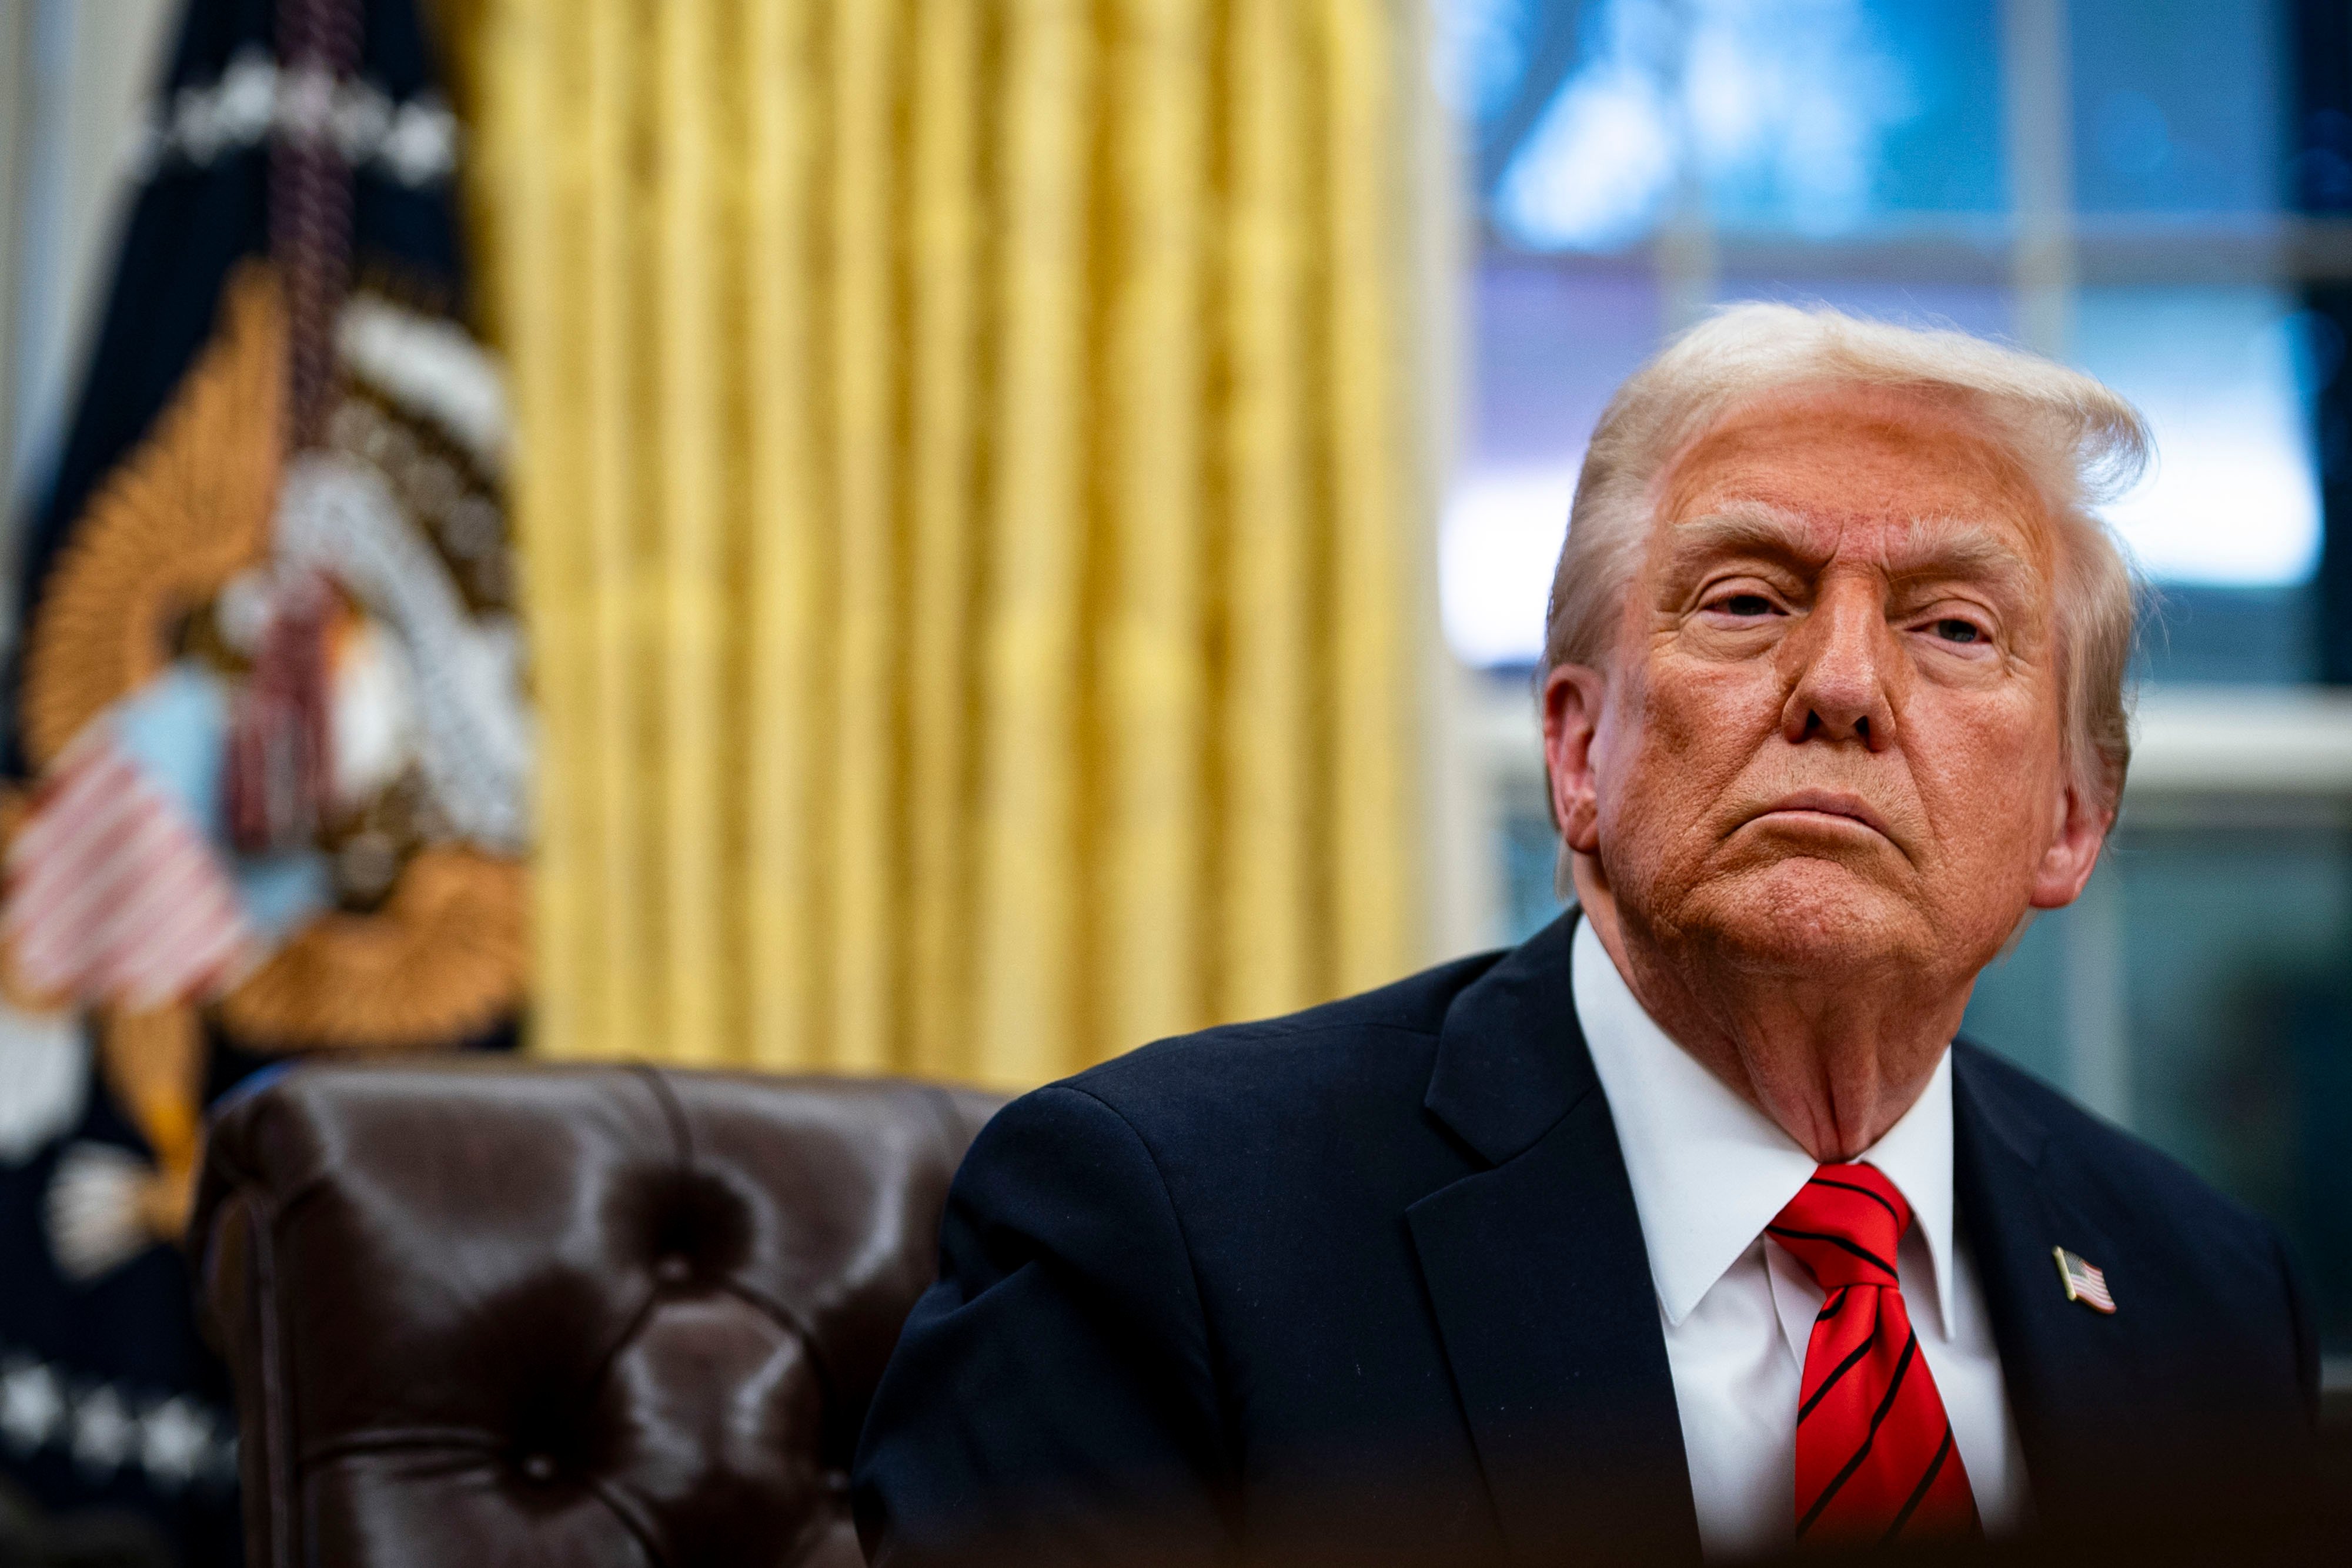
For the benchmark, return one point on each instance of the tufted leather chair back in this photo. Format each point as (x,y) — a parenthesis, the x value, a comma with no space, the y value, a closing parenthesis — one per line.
(486,1311)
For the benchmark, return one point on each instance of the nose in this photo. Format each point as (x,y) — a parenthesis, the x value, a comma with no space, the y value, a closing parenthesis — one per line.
(1839,658)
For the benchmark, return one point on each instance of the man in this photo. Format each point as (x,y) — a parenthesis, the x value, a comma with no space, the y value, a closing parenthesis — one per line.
(1685,1228)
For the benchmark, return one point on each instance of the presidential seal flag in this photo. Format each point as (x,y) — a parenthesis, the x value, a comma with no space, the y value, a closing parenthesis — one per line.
(270,749)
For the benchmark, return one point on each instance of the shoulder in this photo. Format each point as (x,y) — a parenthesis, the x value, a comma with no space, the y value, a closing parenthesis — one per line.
(1257,1096)
(2203,1272)
(2128,1182)
(1378,1043)
(1314,1113)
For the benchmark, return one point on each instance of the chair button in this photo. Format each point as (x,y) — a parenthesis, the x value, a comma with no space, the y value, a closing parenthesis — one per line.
(538,1468)
(673,1269)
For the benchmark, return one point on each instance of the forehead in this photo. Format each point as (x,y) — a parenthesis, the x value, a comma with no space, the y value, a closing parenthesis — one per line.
(1858,465)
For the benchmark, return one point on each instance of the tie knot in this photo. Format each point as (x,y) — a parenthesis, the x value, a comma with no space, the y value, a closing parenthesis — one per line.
(1844,1227)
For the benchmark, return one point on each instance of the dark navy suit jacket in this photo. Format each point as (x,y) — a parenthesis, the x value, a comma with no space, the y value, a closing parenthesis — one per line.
(1368,1282)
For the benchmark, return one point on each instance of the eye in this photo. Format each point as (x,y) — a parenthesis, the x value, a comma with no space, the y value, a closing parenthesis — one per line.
(1952,628)
(1743,604)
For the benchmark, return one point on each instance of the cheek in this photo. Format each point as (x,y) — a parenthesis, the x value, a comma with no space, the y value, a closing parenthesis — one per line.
(1691,728)
(1705,719)
(1991,779)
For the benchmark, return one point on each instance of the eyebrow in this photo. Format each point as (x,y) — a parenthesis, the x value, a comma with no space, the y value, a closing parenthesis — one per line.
(1933,547)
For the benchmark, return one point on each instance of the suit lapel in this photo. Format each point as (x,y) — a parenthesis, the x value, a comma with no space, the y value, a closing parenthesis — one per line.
(2070,1372)
(1540,1282)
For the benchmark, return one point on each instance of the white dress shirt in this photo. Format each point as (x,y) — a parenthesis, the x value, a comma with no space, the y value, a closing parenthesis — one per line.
(1709,1171)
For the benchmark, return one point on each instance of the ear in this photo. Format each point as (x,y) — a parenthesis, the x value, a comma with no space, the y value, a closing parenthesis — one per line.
(1572,699)
(2074,851)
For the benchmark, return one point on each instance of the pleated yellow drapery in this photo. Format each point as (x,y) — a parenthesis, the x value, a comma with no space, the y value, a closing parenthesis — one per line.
(971,495)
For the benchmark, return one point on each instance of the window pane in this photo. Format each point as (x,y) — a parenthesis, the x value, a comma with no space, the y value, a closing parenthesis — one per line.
(2180,106)
(1588,160)
(1549,345)
(1803,117)
(1837,117)
(1946,154)
(2197,633)
(2234,498)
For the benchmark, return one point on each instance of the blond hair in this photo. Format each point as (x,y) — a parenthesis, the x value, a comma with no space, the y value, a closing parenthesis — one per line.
(2079,443)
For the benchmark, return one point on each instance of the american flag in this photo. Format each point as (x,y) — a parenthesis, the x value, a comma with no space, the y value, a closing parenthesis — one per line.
(2084,1282)
(113,893)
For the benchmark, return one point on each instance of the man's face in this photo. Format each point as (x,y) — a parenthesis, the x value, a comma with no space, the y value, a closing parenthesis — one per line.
(1830,736)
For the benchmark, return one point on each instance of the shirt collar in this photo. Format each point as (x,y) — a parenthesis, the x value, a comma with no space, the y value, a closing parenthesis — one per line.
(1708,1170)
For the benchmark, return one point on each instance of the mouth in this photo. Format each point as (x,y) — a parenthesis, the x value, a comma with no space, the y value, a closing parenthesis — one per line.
(1825,806)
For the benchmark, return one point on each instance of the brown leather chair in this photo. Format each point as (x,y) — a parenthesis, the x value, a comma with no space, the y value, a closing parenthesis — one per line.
(491,1311)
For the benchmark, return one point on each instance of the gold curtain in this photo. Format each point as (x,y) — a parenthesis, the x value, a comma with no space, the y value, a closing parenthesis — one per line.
(970,490)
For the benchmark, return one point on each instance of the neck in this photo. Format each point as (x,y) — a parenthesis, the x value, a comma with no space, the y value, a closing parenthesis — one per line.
(1835,1055)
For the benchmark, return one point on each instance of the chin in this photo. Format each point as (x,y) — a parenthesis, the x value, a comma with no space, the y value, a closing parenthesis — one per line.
(1810,914)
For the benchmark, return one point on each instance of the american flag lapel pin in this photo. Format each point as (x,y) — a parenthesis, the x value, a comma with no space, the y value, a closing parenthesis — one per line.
(2084,1281)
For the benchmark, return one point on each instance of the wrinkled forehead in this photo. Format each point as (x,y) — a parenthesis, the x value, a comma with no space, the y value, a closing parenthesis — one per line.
(1881,469)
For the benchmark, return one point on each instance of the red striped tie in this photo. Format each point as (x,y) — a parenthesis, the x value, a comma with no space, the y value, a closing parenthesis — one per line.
(1875,1455)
